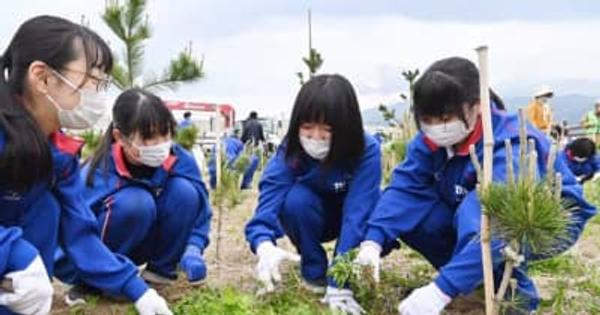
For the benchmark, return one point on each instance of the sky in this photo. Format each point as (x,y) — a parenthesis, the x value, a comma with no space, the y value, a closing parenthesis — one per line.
(252,49)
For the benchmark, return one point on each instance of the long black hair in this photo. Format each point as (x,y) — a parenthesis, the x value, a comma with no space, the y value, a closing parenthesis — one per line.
(26,157)
(446,86)
(136,111)
(328,99)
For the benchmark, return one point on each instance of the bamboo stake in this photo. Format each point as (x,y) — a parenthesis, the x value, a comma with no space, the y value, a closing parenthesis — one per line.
(508,265)
(558,187)
(532,163)
(550,165)
(488,142)
(522,144)
(510,172)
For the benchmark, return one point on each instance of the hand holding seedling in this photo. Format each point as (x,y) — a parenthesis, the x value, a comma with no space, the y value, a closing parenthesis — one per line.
(269,259)
(369,255)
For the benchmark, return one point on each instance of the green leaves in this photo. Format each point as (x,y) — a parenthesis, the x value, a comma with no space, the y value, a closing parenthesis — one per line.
(184,68)
(389,115)
(344,270)
(92,141)
(128,23)
(313,62)
(410,76)
(228,192)
(393,153)
(186,137)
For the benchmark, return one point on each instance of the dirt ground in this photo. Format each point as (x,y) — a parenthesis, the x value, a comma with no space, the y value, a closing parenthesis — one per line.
(237,265)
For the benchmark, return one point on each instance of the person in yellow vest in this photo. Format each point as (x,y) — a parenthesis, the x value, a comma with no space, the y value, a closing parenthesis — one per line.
(591,123)
(538,111)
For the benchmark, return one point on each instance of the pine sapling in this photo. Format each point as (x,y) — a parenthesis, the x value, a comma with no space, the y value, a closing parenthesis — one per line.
(527,214)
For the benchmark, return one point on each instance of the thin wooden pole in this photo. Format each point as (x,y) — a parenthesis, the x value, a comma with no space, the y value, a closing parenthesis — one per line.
(488,151)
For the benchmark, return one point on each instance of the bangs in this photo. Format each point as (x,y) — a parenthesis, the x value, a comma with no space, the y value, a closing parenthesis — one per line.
(152,121)
(97,53)
(437,94)
(318,109)
(139,112)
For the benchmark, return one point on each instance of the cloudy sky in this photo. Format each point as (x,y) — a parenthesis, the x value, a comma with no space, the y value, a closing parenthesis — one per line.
(253,48)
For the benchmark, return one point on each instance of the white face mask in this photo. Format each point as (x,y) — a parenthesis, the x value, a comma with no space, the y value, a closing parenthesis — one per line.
(91,107)
(446,134)
(317,149)
(154,155)
(579,159)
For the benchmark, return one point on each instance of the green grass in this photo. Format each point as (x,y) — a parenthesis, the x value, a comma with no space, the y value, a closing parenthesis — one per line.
(559,265)
(91,302)
(574,285)
(290,298)
(571,296)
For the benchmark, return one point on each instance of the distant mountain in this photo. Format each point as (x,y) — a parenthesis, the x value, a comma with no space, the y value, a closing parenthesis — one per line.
(569,107)
(372,116)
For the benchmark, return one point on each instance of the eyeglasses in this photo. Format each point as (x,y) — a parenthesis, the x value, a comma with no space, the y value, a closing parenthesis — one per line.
(102,84)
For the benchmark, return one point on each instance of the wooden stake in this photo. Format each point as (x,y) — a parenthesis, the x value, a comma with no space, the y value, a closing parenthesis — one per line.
(532,163)
(522,145)
(510,171)
(550,165)
(558,187)
(488,151)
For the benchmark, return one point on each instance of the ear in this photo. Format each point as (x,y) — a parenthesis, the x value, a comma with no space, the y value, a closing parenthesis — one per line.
(38,74)
(117,135)
(477,108)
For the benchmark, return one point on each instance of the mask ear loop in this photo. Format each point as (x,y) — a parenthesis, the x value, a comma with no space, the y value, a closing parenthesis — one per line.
(65,80)
(124,139)
(4,68)
(471,124)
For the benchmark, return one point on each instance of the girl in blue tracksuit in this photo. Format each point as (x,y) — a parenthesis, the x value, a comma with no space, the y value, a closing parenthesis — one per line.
(321,185)
(432,204)
(53,74)
(581,158)
(146,192)
(233,148)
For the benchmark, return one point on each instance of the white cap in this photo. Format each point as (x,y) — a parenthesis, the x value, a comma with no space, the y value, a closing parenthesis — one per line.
(543,91)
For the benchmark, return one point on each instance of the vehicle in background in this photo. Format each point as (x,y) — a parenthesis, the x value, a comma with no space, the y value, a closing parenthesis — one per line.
(211,119)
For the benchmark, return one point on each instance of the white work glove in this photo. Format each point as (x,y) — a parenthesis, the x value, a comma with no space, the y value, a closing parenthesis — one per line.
(369,255)
(152,304)
(427,300)
(32,290)
(342,301)
(269,258)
